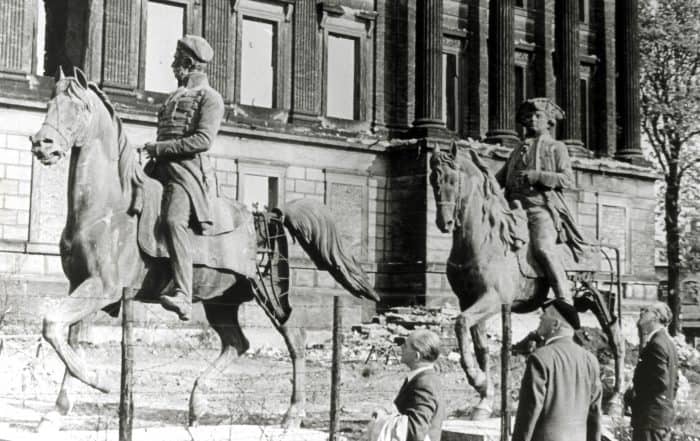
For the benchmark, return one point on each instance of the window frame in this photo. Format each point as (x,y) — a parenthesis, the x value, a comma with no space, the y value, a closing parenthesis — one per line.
(357,27)
(263,11)
(524,59)
(454,44)
(189,18)
(250,166)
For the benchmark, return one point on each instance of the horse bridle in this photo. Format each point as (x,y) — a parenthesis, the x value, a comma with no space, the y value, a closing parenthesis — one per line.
(57,127)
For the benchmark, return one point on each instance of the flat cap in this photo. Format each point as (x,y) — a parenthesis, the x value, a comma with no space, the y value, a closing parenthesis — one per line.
(567,311)
(197,46)
(554,112)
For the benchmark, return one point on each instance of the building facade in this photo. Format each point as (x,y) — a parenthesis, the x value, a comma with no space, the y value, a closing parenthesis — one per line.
(342,101)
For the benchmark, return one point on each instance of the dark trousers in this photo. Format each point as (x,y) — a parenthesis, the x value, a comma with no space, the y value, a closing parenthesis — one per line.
(651,434)
(177,210)
(543,235)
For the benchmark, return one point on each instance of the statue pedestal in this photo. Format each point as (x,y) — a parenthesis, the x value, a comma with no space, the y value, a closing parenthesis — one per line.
(465,430)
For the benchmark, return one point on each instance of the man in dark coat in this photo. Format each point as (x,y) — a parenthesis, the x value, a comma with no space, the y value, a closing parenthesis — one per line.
(534,177)
(187,125)
(655,378)
(560,393)
(420,396)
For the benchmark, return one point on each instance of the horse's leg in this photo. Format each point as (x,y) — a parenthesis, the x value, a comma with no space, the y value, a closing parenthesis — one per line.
(295,337)
(82,302)
(596,302)
(481,350)
(223,317)
(471,318)
(64,402)
(85,300)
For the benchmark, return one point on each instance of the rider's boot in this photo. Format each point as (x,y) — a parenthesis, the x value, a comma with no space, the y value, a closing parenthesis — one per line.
(557,278)
(180,303)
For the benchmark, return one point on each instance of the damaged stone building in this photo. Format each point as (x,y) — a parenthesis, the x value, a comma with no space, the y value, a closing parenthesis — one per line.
(342,101)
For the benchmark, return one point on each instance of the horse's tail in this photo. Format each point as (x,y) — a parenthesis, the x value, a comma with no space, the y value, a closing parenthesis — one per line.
(310,223)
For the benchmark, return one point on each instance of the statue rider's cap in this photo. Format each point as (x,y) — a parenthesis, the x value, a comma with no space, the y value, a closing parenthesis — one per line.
(554,113)
(566,310)
(197,46)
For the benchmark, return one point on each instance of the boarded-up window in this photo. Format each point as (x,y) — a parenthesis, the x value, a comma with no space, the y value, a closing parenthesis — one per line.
(341,80)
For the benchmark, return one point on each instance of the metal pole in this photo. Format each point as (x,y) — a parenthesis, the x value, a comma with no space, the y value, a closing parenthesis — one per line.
(126,403)
(335,367)
(505,367)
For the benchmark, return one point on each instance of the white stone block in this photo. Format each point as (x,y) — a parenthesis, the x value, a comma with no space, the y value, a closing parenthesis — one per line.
(16,202)
(19,142)
(315,174)
(294,172)
(11,232)
(18,172)
(9,186)
(9,156)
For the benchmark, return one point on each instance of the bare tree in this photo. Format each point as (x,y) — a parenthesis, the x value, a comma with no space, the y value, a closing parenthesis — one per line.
(670,97)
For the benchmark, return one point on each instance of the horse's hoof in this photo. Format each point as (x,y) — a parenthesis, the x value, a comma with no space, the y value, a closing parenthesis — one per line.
(293,417)
(479,381)
(64,403)
(198,407)
(480,413)
(613,407)
(102,382)
(51,422)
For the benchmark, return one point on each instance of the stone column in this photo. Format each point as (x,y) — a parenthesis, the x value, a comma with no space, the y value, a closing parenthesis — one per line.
(544,39)
(629,144)
(568,72)
(502,74)
(305,74)
(428,120)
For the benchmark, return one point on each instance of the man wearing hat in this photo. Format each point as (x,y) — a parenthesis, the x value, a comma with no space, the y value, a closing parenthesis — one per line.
(655,378)
(560,393)
(188,122)
(534,177)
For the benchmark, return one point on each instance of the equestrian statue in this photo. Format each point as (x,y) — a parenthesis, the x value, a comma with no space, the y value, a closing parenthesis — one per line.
(165,234)
(510,247)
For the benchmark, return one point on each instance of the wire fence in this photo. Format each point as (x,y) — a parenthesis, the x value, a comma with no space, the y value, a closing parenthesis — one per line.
(253,389)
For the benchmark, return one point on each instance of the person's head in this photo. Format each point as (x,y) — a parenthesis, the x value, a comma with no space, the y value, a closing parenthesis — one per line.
(558,318)
(539,115)
(421,348)
(653,316)
(191,55)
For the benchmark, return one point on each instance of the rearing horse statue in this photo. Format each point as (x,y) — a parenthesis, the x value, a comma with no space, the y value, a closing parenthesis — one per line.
(101,255)
(487,268)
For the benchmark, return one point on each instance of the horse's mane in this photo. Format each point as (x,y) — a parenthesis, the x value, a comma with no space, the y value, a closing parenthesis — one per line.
(130,172)
(505,225)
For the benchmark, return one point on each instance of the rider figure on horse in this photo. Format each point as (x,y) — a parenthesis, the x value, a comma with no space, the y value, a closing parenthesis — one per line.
(188,122)
(535,175)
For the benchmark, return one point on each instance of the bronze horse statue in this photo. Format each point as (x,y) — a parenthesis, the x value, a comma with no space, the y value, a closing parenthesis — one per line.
(100,252)
(487,269)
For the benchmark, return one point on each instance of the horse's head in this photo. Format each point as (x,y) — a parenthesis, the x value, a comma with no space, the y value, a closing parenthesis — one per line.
(67,119)
(445,179)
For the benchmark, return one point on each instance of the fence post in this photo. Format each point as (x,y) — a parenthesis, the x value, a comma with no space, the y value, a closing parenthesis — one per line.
(126,403)
(338,303)
(505,374)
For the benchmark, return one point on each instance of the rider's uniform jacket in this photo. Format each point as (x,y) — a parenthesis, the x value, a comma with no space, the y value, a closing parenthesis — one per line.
(188,122)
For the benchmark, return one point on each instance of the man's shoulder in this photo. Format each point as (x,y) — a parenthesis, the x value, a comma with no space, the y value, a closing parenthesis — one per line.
(550,142)
(211,93)
(428,378)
